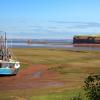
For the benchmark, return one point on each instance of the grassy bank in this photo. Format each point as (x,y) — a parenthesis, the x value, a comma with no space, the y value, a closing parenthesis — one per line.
(57,56)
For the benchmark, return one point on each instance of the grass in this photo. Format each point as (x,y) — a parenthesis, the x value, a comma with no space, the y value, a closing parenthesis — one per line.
(65,95)
(41,94)
(54,56)
(60,59)
(73,66)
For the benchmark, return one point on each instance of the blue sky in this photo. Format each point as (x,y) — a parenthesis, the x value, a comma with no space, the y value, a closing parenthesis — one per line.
(50,19)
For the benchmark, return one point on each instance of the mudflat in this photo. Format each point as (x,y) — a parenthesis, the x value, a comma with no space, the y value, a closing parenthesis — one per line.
(56,69)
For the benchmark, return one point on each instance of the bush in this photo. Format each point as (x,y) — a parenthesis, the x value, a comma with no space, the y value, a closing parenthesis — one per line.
(92,87)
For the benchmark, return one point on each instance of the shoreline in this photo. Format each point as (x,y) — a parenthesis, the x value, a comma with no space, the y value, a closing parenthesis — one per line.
(86,45)
(76,47)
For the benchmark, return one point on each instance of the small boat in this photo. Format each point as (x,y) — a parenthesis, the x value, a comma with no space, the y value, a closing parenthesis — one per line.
(8,66)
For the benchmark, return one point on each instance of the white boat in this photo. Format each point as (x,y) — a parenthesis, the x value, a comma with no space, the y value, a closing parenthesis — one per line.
(8,66)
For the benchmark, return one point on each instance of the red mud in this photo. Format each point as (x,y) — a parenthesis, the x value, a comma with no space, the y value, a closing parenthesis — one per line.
(36,76)
(87,45)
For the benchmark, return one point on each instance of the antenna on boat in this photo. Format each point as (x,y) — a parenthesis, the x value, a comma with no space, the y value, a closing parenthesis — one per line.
(5,41)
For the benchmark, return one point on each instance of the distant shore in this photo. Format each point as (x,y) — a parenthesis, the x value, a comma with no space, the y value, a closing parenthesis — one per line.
(75,47)
(87,45)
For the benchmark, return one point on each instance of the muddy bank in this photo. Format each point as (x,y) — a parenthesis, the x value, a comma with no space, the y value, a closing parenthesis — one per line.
(36,76)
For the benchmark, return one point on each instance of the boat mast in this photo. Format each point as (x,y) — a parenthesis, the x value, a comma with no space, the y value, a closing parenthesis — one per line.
(5,47)
(4,53)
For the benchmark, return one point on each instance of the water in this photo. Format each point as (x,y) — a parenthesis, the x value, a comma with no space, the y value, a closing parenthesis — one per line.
(66,44)
(41,43)
(25,45)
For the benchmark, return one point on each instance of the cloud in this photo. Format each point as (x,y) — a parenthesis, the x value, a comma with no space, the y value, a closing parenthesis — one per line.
(94,24)
(63,22)
(35,26)
(86,25)
(53,27)
(80,25)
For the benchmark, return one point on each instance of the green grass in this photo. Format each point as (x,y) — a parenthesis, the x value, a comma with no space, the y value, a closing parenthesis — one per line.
(65,95)
(54,56)
(41,94)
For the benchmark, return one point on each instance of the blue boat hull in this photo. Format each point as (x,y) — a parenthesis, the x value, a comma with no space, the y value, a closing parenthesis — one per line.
(8,71)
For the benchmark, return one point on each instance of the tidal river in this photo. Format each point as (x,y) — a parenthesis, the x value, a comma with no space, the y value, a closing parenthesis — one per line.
(53,45)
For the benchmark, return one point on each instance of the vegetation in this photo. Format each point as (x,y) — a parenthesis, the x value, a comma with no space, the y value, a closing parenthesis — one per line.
(73,67)
(77,98)
(65,95)
(92,87)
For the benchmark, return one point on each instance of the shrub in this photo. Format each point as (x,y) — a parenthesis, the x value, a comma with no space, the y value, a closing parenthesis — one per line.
(92,87)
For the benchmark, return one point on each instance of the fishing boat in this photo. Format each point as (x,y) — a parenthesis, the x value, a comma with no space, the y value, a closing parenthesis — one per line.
(8,65)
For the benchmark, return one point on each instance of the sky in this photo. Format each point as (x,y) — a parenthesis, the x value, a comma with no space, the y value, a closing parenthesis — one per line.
(49,19)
